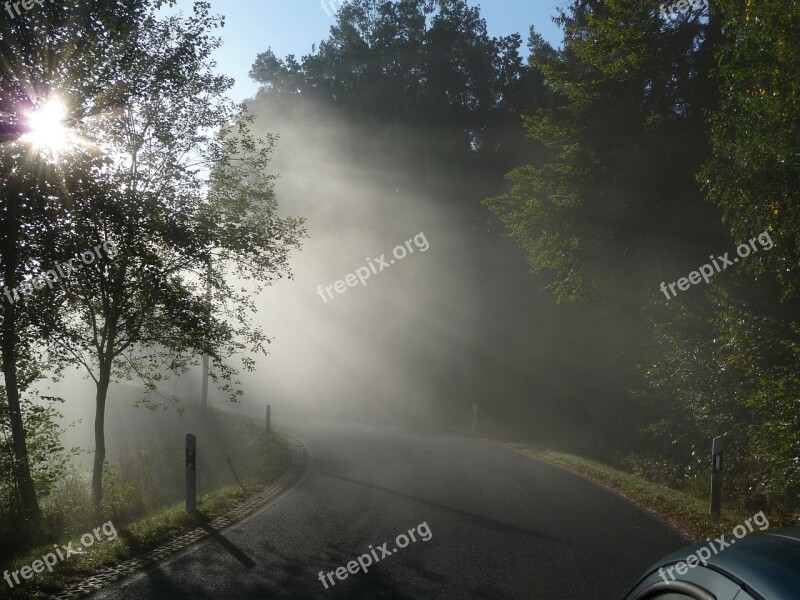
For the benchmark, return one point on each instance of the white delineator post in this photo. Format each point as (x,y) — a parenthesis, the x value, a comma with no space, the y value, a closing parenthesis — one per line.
(716,475)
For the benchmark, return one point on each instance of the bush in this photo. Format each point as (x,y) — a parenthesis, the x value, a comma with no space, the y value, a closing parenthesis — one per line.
(47,457)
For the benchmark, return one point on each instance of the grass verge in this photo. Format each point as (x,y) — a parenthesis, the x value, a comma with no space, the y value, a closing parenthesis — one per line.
(269,459)
(687,513)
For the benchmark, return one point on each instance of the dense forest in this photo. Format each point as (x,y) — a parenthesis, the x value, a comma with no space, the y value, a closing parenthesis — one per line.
(646,147)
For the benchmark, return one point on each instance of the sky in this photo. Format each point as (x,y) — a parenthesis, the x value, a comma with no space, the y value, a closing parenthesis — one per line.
(292,26)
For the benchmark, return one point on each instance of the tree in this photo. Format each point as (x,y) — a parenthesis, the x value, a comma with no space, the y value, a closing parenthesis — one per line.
(615,191)
(753,176)
(423,73)
(180,189)
(47,460)
(609,205)
(754,173)
(30,189)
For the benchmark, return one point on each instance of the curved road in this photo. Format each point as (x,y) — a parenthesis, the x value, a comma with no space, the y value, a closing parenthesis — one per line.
(501,526)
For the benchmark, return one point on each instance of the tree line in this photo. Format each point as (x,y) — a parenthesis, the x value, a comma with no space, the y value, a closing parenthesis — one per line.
(160,164)
(647,142)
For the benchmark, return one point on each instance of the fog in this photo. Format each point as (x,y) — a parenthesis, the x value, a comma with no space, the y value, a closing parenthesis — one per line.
(423,340)
(457,321)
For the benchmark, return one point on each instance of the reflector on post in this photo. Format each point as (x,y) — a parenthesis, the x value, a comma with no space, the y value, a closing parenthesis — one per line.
(716,476)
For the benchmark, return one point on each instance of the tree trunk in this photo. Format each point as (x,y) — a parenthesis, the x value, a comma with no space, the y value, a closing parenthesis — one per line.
(9,254)
(105,361)
(22,470)
(100,437)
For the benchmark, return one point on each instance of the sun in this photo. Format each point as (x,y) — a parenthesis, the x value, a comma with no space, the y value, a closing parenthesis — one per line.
(47,128)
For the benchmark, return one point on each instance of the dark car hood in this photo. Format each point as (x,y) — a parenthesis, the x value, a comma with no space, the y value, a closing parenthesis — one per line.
(766,562)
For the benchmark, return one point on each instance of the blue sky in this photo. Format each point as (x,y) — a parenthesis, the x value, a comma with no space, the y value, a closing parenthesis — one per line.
(291,26)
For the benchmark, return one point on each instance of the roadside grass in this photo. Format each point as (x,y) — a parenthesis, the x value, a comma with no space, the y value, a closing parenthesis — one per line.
(688,513)
(258,459)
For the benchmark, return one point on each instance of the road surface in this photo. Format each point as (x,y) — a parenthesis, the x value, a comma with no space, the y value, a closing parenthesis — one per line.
(501,526)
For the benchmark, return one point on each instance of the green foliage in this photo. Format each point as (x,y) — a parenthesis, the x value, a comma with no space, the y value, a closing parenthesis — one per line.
(144,498)
(622,144)
(765,350)
(183,189)
(425,74)
(729,367)
(58,50)
(48,459)
(754,174)
(650,112)
(66,510)
(729,364)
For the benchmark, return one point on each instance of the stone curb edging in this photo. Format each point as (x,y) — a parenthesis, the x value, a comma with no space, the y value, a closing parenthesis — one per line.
(108,575)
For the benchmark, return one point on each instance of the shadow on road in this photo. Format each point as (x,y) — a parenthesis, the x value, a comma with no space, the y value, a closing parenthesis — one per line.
(485,521)
(234,550)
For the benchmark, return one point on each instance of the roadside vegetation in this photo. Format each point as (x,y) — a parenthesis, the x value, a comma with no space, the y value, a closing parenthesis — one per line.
(682,502)
(117,133)
(144,495)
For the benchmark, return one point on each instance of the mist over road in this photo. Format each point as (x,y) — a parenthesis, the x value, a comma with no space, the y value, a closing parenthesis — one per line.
(503,526)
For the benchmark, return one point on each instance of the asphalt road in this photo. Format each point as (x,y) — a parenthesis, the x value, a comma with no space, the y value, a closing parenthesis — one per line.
(501,526)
